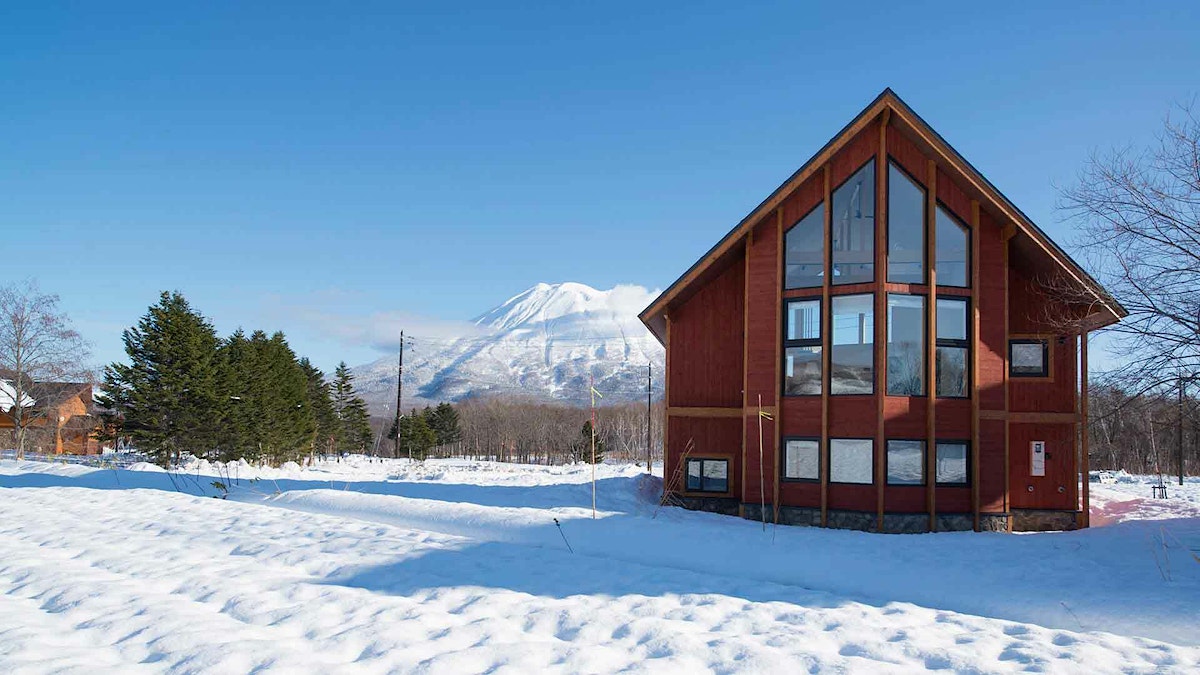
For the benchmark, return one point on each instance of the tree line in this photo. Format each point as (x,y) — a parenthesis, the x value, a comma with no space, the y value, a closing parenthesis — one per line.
(185,390)
(528,431)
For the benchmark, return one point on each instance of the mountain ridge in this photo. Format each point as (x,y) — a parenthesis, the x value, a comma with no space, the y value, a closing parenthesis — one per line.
(549,342)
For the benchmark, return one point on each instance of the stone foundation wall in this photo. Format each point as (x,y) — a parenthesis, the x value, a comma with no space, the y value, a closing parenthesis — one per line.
(723,505)
(1043,521)
(893,523)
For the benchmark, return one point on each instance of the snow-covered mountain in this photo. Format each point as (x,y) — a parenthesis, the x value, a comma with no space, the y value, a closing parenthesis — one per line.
(545,343)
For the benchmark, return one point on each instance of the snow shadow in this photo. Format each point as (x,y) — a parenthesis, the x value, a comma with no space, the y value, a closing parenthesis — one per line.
(558,495)
(560,574)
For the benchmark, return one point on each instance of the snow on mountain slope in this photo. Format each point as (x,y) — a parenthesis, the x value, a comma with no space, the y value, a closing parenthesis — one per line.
(546,343)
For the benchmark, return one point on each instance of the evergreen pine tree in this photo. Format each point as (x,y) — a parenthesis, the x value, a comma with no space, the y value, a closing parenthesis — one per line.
(321,404)
(444,421)
(416,438)
(583,447)
(354,428)
(167,395)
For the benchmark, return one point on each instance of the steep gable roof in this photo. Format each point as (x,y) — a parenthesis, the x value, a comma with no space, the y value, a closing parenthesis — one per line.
(898,112)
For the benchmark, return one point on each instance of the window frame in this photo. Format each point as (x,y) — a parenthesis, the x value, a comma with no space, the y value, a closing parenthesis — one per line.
(783,477)
(829,451)
(827,378)
(728,476)
(887,234)
(826,255)
(966,463)
(970,249)
(924,462)
(1047,359)
(805,342)
(829,262)
(956,343)
(924,344)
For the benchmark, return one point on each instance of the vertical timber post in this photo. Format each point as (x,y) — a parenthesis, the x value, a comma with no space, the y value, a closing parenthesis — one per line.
(931,344)
(975,345)
(880,339)
(826,333)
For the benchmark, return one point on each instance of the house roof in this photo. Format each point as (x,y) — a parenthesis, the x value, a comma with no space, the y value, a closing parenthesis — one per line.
(887,102)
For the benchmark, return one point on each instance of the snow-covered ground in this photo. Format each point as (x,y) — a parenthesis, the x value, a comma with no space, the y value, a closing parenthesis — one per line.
(450,566)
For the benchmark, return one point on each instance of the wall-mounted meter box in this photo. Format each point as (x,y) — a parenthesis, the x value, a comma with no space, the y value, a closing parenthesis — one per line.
(1037,458)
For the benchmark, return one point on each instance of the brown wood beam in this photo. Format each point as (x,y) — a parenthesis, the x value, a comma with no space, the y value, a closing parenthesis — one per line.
(826,332)
(881,224)
(1007,462)
(745,360)
(703,411)
(931,344)
(775,413)
(666,422)
(1083,412)
(975,346)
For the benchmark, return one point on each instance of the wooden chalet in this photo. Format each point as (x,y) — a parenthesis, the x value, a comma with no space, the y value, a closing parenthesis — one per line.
(886,316)
(65,420)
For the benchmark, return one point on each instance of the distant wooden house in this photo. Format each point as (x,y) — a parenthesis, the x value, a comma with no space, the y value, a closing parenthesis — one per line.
(65,420)
(886,310)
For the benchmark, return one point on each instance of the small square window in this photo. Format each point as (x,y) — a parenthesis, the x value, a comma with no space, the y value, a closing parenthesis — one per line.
(952,463)
(852,460)
(906,462)
(802,459)
(708,475)
(1028,358)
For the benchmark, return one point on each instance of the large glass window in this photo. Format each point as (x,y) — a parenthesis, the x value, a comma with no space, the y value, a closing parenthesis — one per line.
(1029,358)
(906,345)
(953,348)
(951,244)
(802,348)
(852,460)
(708,475)
(906,462)
(852,357)
(805,246)
(906,228)
(853,222)
(952,463)
(802,459)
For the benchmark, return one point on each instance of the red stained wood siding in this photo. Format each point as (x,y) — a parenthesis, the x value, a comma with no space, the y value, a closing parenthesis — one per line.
(762,355)
(717,437)
(706,344)
(1052,491)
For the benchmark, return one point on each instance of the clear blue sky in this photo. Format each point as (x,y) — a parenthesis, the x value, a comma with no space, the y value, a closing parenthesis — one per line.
(310,167)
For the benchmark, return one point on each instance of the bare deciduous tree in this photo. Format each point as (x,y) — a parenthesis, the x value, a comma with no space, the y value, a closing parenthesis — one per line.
(39,350)
(1139,212)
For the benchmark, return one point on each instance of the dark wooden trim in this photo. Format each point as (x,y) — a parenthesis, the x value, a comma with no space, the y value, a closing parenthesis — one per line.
(783,456)
(745,361)
(1050,341)
(718,456)
(777,424)
(826,341)
(1019,417)
(1007,434)
(703,411)
(666,422)
(931,339)
(882,224)
(975,346)
(1085,461)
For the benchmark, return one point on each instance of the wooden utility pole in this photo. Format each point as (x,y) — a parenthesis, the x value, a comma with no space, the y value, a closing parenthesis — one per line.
(649,456)
(399,395)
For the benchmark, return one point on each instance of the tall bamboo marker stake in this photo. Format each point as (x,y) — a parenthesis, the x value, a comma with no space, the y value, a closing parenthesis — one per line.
(592,386)
(762,477)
